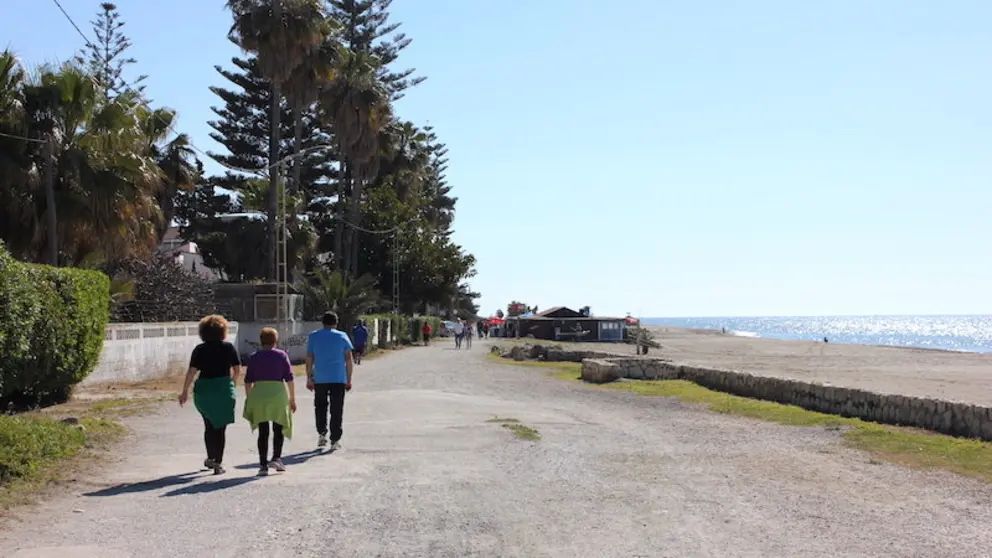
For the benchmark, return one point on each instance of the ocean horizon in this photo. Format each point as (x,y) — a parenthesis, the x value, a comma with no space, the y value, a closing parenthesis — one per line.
(953,333)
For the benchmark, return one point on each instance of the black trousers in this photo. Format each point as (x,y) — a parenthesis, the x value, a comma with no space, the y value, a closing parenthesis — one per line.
(329,399)
(214,439)
(263,442)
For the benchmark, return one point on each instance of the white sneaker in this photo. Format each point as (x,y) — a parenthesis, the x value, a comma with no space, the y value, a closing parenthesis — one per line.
(322,441)
(335,445)
(277,465)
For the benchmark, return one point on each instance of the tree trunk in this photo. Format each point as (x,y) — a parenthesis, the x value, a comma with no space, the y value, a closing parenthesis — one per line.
(51,219)
(273,199)
(297,149)
(354,219)
(339,219)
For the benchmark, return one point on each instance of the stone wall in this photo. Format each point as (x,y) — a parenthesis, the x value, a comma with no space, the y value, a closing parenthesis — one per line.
(947,417)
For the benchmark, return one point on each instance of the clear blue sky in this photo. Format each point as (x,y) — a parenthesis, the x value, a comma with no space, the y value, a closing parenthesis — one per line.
(770,157)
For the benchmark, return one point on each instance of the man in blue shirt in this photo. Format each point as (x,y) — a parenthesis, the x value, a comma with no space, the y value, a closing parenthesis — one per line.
(359,337)
(329,368)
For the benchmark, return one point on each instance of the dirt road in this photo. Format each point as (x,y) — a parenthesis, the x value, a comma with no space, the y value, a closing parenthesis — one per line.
(423,474)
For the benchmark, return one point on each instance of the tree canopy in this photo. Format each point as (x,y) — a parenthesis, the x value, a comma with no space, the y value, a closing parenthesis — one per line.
(93,175)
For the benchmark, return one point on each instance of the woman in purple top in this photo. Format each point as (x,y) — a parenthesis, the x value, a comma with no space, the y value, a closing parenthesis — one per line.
(271,399)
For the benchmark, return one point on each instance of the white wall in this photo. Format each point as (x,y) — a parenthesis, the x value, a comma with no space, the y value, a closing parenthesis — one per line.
(293,339)
(133,352)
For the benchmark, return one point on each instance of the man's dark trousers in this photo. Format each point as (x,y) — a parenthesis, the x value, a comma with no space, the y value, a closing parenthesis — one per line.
(332,396)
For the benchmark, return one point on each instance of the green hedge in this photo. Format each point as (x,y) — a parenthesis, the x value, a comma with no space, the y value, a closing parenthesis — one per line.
(407,328)
(52,322)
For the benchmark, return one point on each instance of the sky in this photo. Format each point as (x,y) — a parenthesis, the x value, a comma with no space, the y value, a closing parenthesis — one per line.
(658,158)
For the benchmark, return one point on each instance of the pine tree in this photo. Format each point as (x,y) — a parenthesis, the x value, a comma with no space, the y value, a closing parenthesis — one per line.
(237,246)
(106,59)
(366,28)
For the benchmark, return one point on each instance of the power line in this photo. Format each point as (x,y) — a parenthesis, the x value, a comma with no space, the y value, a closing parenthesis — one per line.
(78,30)
(22,138)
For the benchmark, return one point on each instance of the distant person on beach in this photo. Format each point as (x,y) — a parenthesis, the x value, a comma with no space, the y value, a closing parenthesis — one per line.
(329,370)
(216,366)
(459,330)
(271,399)
(359,337)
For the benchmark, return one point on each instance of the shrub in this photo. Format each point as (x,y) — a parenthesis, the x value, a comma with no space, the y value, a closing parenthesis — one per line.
(159,289)
(52,323)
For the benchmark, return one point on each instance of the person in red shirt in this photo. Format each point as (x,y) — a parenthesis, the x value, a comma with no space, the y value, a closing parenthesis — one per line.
(426,330)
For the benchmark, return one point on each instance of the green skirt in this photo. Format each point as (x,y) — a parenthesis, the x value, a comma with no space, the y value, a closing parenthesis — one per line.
(269,402)
(214,398)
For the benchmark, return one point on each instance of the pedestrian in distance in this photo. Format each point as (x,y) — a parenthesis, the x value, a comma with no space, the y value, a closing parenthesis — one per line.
(427,330)
(329,371)
(359,337)
(270,399)
(459,330)
(469,333)
(216,366)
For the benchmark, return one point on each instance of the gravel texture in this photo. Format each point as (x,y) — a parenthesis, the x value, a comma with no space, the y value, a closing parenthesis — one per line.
(422,474)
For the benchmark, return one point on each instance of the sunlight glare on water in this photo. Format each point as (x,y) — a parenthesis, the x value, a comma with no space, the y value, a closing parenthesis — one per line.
(956,333)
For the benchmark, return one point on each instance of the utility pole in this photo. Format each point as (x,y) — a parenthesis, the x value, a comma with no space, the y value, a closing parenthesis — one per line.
(282,257)
(396,272)
(51,219)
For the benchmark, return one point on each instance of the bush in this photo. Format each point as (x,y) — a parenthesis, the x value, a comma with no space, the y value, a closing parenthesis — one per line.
(52,323)
(159,289)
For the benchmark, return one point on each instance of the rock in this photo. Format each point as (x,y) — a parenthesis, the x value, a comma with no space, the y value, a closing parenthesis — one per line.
(537,352)
(518,353)
(72,421)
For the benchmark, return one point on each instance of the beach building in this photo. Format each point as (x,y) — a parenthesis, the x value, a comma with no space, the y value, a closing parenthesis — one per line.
(564,324)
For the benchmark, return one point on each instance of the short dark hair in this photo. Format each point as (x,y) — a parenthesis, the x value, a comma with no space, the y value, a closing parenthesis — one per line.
(213,328)
(329,319)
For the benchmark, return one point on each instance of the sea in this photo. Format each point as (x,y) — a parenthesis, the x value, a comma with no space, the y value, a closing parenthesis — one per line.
(953,333)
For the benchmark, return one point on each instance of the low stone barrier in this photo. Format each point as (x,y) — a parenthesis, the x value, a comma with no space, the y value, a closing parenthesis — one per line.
(547,353)
(947,417)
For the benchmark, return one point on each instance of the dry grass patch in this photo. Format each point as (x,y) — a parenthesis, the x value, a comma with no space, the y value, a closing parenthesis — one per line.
(902,446)
(38,451)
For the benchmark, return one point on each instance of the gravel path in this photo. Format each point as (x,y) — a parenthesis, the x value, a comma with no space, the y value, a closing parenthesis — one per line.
(422,474)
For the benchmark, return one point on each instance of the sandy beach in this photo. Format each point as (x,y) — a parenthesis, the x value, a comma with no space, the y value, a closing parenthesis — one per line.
(953,376)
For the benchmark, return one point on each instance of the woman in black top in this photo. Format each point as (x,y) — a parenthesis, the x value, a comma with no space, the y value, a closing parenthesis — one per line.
(219,366)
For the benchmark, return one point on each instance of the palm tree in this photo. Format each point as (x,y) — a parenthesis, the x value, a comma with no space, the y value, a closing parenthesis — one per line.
(357,105)
(17,215)
(303,87)
(348,298)
(281,34)
(103,195)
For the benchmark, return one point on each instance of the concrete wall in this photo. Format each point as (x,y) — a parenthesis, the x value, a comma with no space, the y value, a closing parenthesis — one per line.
(947,417)
(133,352)
(293,339)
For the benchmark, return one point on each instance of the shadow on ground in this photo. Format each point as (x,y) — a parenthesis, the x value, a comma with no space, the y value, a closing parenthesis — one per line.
(208,487)
(146,486)
(288,460)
